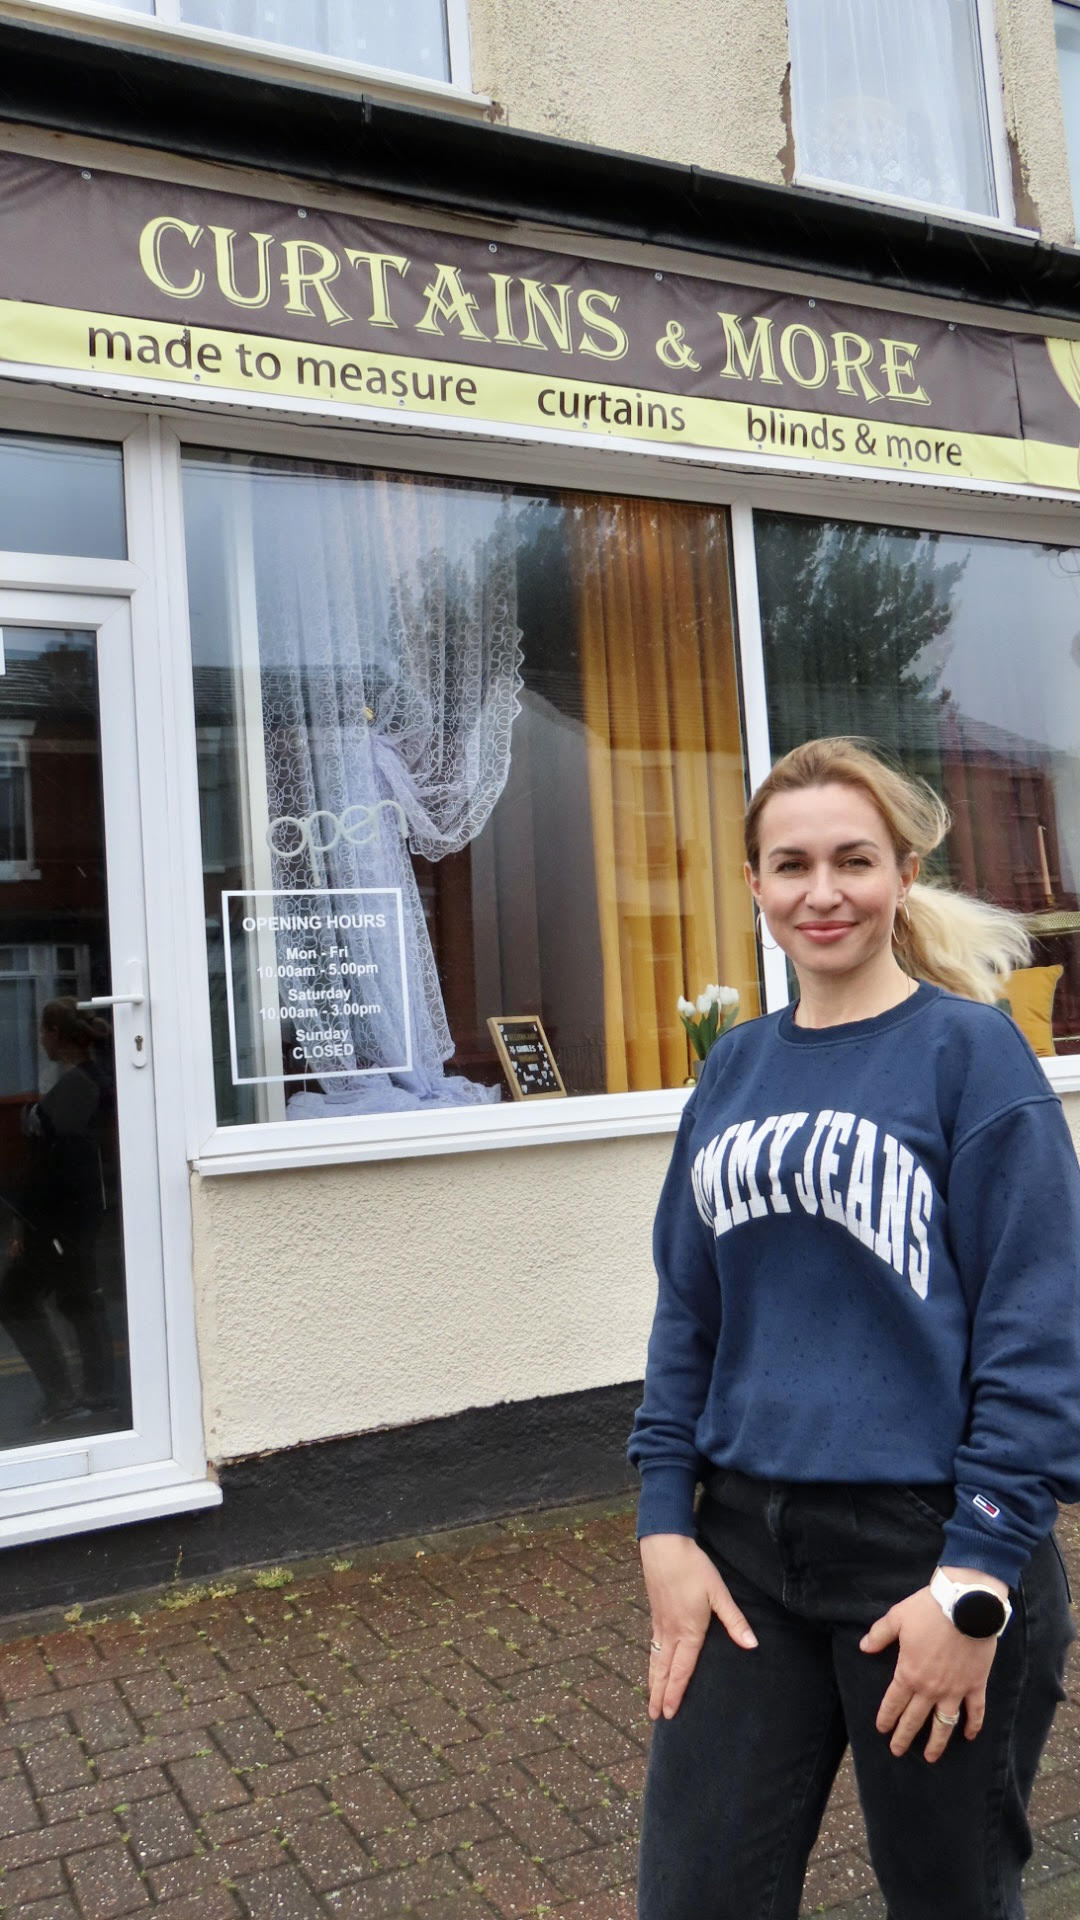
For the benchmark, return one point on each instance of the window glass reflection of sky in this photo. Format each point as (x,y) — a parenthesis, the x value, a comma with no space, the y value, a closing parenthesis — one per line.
(1011,656)
(61,496)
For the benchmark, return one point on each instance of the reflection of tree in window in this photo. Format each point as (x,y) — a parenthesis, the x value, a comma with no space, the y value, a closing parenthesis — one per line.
(852,617)
(956,654)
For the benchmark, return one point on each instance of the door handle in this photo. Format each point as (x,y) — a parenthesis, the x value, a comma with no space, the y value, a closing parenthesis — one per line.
(138,1053)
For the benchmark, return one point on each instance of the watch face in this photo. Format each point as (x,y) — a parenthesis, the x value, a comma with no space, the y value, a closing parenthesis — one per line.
(979,1614)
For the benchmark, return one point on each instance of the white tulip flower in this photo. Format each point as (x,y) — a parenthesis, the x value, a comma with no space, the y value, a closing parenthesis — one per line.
(729,996)
(703,1003)
(686,1007)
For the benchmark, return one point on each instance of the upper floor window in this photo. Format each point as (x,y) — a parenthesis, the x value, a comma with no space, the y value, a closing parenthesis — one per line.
(1067,35)
(404,36)
(890,97)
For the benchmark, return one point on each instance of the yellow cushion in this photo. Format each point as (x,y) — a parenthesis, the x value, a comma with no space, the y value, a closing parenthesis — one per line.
(1030,994)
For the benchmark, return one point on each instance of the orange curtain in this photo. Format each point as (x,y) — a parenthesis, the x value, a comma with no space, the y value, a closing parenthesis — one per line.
(665,769)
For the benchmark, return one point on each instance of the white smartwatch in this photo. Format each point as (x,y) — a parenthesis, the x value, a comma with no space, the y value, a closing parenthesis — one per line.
(976,1611)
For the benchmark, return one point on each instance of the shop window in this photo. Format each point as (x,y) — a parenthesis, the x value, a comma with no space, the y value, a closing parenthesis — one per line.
(1067,35)
(889,97)
(403,36)
(962,657)
(61,496)
(479,756)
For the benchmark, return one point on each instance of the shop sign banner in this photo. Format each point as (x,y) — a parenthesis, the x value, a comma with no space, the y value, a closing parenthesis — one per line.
(316,983)
(131,283)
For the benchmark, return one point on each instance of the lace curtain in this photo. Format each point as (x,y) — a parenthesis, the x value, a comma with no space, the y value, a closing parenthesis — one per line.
(889,97)
(390,670)
(408,36)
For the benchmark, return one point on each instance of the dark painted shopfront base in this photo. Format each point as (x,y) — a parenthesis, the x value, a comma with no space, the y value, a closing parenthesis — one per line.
(376,1486)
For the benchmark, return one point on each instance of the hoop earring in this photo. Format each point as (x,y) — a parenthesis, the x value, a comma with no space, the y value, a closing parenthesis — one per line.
(767,946)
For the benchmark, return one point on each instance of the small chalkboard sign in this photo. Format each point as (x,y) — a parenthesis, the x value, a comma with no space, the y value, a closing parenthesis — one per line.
(527,1059)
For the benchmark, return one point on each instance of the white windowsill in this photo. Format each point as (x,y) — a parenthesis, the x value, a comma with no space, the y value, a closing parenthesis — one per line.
(269,59)
(985,222)
(281,1144)
(1063,1072)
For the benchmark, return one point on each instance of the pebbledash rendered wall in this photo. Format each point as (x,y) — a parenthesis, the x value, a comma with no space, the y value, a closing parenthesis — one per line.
(701,83)
(336,1301)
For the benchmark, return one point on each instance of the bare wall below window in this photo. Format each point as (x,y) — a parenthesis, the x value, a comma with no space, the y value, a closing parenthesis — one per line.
(698,83)
(338,1300)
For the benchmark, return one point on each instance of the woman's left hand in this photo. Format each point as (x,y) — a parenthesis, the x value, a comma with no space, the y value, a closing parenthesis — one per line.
(939,1671)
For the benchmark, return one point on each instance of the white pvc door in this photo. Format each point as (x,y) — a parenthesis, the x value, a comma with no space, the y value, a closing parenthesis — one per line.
(83,1376)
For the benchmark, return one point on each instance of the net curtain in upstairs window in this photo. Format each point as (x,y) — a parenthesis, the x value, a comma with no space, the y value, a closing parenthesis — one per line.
(406,36)
(390,659)
(889,97)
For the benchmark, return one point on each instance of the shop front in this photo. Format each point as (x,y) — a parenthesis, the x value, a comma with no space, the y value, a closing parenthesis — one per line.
(396,611)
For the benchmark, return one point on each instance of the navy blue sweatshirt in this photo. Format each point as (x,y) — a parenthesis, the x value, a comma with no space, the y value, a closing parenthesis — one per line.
(868,1248)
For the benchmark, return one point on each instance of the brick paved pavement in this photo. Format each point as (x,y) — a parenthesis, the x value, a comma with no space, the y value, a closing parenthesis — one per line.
(451,1728)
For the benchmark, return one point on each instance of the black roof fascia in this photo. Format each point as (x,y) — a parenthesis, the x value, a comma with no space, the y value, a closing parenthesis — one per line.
(85,84)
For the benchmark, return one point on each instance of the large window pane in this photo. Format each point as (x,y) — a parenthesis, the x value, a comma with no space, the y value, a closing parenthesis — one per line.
(889,97)
(1067,34)
(63,1286)
(505,721)
(61,496)
(961,656)
(406,35)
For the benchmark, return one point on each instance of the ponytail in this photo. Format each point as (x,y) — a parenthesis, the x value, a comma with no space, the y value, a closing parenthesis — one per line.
(958,942)
(948,938)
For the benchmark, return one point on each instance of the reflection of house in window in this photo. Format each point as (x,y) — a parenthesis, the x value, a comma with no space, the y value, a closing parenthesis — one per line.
(30,976)
(1001,790)
(16,818)
(1013,802)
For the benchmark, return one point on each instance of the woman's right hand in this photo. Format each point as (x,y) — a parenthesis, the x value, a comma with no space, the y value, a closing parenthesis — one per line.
(684,1591)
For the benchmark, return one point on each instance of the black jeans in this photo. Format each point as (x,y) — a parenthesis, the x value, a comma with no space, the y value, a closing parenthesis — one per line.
(739,1779)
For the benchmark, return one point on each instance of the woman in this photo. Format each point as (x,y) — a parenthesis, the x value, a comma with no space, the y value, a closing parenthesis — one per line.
(56,1223)
(867,1347)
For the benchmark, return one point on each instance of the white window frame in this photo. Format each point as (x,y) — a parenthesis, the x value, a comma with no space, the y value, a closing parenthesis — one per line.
(165,25)
(16,734)
(997,134)
(153,474)
(179,1481)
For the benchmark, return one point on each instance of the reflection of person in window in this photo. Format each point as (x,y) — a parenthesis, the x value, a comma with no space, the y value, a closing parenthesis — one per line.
(55,1226)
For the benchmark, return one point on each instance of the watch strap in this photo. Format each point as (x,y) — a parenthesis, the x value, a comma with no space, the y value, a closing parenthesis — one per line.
(947,1592)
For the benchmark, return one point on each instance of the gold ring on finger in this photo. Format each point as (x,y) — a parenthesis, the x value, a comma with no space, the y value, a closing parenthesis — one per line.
(946,1719)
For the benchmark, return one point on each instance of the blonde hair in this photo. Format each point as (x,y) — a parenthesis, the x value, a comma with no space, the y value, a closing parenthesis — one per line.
(942,936)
